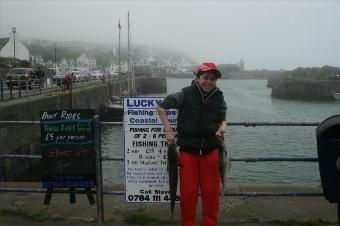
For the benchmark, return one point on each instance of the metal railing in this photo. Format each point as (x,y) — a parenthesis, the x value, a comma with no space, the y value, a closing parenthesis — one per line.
(20,87)
(235,159)
(101,192)
(23,88)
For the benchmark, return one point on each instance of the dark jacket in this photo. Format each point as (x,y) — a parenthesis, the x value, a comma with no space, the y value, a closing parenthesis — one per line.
(199,118)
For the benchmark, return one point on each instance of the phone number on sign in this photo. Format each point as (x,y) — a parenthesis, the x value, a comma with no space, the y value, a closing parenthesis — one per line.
(150,198)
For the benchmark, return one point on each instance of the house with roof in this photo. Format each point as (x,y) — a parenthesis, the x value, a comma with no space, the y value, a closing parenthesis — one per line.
(86,61)
(37,59)
(7,48)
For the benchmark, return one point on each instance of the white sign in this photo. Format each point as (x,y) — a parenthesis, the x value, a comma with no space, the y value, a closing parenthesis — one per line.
(146,175)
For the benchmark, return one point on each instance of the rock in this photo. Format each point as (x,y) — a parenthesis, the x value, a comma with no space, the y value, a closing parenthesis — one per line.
(303,89)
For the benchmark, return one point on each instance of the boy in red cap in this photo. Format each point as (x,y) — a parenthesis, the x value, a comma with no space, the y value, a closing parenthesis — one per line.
(201,122)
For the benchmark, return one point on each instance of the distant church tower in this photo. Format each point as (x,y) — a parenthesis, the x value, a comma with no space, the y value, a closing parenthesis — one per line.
(241,65)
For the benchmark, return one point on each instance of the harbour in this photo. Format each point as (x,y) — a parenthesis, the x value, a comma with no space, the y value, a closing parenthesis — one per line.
(262,184)
(83,140)
(250,101)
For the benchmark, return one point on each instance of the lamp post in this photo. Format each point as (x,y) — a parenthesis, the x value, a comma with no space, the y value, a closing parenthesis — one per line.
(55,59)
(14,30)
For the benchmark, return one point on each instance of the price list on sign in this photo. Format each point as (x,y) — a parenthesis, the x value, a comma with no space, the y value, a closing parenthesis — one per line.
(146,176)
(67,149)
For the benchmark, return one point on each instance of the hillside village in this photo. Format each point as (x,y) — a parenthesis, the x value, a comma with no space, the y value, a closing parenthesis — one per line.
(88,56)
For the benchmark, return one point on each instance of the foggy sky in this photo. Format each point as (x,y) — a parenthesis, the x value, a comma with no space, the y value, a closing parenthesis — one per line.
(266,34)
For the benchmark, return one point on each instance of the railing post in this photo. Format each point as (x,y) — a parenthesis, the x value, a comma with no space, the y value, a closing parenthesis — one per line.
(70,92)
(11,90)
(338,213)
(19,88)
(2,89)
(99,181)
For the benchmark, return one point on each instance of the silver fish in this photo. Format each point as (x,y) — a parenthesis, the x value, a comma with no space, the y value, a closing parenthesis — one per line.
(223,162)
(173,164)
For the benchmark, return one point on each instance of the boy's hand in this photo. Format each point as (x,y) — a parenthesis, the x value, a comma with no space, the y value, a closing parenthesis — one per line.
(220,133)
(170,136)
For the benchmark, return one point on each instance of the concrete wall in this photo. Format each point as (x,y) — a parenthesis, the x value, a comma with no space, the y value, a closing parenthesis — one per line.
(145,85)
(28,108)
(151,85)
(13,137)
(25,139)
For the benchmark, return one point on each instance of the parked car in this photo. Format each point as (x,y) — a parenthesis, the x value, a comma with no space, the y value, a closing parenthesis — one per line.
(58,79)
(24,78)
(114,75)
(88,76)
(97,75)
(77,76)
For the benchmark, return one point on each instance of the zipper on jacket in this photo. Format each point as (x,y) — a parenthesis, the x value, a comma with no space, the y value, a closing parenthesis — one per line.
(210,95)
(204,101)
(202,145)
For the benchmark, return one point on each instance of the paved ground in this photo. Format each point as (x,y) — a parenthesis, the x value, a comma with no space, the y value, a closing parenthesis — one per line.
(28,209)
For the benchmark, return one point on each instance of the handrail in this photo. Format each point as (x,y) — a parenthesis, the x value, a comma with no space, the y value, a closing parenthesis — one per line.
(99,192)
(111,192)
(246,124)
(38,88)
(236,159)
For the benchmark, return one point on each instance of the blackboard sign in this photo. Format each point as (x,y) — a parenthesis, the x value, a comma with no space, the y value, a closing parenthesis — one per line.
(67,149)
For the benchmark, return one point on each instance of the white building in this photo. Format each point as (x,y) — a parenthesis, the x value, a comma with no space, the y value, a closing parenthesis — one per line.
(241,65)
(37,59)
(7,48)
(64,64)
(87,61)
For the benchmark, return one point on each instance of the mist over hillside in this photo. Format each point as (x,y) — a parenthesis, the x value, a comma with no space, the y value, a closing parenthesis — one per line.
(104,54)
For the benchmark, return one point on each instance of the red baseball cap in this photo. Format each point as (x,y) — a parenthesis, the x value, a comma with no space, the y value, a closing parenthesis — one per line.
(208,66)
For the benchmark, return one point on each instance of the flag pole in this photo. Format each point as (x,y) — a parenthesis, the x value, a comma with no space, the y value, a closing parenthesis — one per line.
(119,73)
(128,55)
(132,76)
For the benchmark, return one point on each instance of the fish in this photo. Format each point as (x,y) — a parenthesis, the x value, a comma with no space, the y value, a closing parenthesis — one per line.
(172,167)
(224,163)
